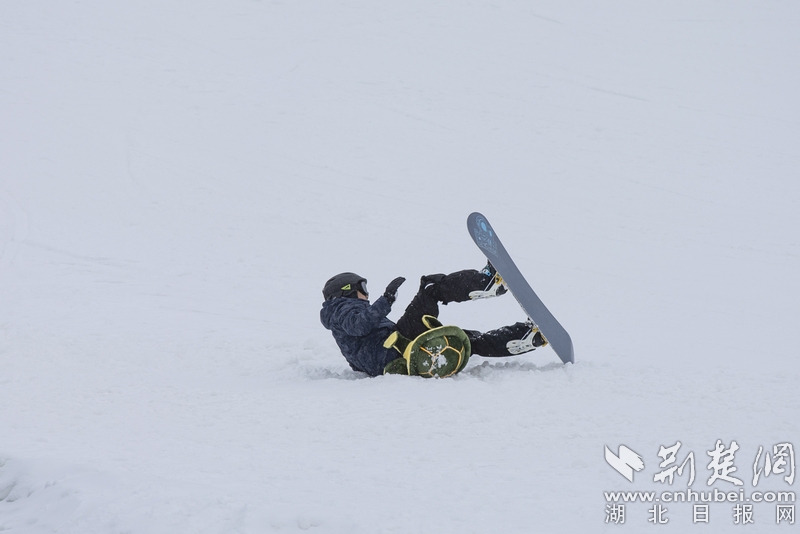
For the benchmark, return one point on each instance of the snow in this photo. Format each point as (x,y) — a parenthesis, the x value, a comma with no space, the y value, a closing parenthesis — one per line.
(179,179)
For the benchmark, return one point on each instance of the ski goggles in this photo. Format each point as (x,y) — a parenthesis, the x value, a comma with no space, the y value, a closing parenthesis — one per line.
(350,289)
(361,286)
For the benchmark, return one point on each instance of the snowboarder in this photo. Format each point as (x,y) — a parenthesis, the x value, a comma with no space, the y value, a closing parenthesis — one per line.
(361,328)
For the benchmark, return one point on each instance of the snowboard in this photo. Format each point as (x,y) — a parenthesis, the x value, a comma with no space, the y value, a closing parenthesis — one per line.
(486,238)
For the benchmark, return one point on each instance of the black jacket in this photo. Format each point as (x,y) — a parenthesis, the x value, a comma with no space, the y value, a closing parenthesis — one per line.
(360,328)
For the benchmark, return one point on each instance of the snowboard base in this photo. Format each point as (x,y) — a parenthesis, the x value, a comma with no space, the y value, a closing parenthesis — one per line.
(486,238)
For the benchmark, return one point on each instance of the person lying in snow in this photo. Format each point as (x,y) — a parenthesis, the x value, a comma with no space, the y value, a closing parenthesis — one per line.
(361,329)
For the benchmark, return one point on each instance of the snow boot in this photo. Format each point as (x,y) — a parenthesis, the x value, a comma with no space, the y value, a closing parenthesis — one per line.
(533,339)
(494,288)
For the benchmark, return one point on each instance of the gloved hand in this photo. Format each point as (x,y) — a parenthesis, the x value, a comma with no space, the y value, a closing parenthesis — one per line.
(391,289)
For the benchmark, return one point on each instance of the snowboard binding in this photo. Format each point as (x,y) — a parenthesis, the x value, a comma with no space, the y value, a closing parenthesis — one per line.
(494,288)
(533,339)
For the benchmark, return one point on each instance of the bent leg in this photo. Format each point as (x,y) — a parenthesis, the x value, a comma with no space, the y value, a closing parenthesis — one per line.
(410,323)
(456,287)
(435,288)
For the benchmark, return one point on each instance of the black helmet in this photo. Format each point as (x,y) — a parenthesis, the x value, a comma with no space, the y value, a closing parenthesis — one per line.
(345,285)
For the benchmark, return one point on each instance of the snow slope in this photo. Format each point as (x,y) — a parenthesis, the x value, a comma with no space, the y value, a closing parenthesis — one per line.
(178,180)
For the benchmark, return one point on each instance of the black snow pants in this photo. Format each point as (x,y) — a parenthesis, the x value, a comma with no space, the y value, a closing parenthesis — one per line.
(456,287)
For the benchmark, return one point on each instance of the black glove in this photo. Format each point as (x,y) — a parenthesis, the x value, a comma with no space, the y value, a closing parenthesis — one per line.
(391,289)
